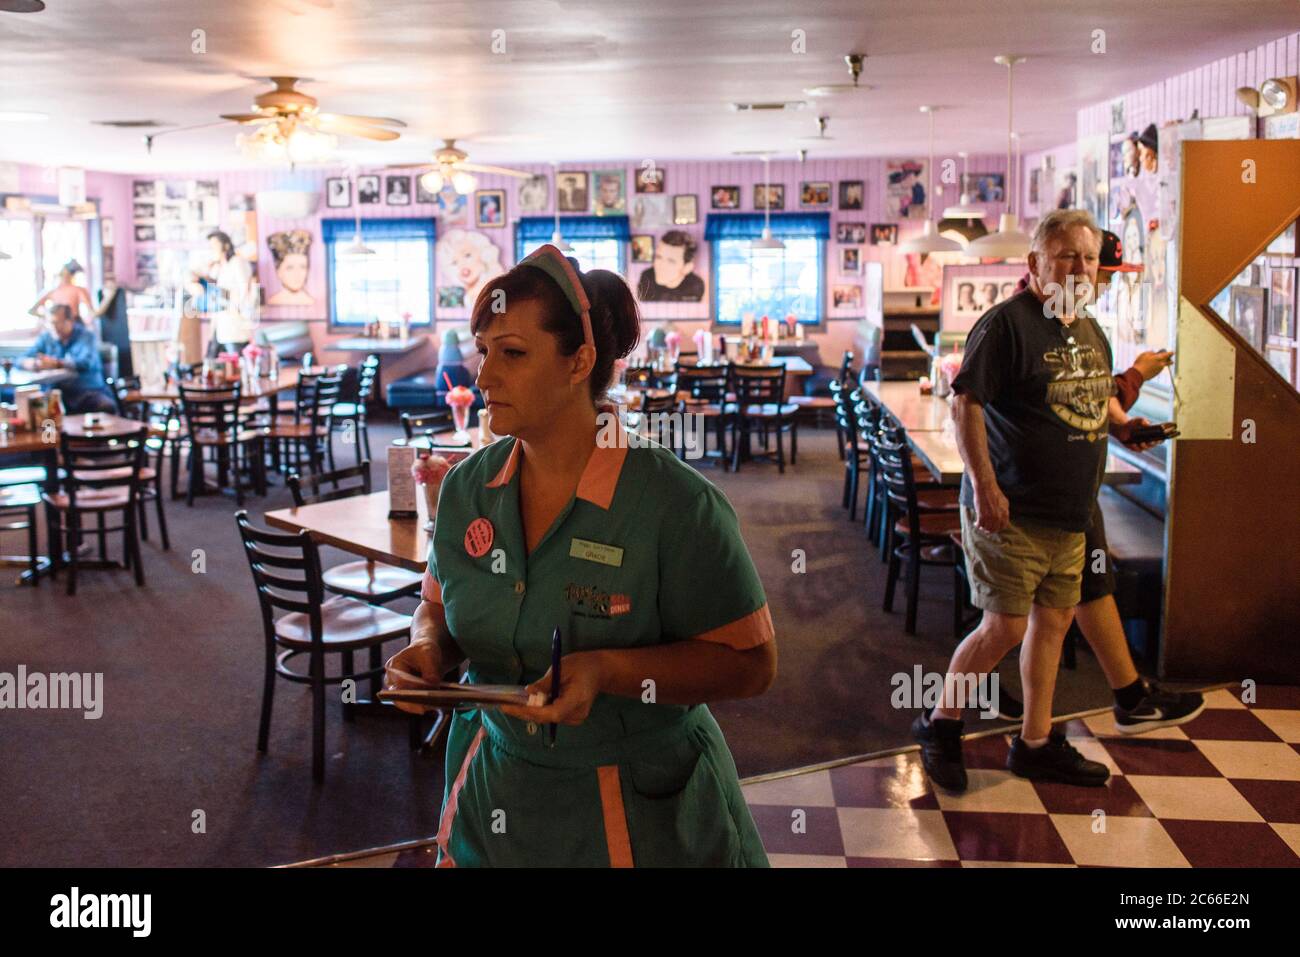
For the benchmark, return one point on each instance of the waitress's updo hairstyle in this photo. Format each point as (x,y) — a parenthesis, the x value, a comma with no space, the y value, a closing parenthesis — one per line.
(615,321)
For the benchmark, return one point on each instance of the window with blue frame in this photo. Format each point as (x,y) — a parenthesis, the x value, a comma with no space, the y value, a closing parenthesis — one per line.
(599,242)
(396,279)
(767,282)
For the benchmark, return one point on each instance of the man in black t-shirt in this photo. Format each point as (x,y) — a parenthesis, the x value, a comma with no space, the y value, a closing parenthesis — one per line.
(1031,408)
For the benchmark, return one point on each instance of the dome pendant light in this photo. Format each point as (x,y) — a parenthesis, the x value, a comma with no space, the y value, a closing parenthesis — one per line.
(929,241)
(357,247)
(1008,242)
(556,239)
(966,209)
(767,241)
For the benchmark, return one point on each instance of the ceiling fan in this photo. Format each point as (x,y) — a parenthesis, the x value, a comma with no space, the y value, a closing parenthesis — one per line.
(451,166)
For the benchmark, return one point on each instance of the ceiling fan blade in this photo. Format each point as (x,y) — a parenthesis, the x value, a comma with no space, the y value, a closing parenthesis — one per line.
(408,166)
(247,117)
(368,120)
(348,128)
(499,170)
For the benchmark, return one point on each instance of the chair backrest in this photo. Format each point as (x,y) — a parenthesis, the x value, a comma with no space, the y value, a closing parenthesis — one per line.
(894,466)
(102,462)
(846,366)
(313,482)
(366,379)
(703,383)
(648,377)
(122,387)
(213,409)
(286,572)
(658,401)
(426,423)
(758,385)
(316,400)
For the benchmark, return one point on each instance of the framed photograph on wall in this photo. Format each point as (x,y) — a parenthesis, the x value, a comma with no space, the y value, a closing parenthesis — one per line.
(490,208)
(397,190)
(1282,358)
(852,193)
(643,249)
(686,211)
(851,233)
(984,187)
(650,179)
(422,194)
(884,234)
(969,293)
(368,190)
(1281,302)
(725,197)
(769,196)
(846,297)
(571,191)
(814,195)
(850,261)
(1247,306)
(1285,244)
(338,192)
(611,192)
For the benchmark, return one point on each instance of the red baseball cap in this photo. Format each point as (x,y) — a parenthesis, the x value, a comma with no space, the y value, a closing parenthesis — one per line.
(1112,254)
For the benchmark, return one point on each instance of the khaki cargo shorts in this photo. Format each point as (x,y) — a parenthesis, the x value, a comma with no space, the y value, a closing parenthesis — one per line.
(1021,566)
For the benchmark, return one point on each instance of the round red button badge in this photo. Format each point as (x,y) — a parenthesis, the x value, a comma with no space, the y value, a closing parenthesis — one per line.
(478,537)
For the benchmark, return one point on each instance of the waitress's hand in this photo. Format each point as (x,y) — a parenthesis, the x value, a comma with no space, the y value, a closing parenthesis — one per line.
(580,679)
(419,666)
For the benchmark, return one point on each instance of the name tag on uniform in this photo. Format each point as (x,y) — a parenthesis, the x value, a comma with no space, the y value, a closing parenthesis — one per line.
(596,552)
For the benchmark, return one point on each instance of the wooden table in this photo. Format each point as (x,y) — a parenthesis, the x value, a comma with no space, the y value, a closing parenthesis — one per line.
(938,450)
(20,377)
(259,388)
(360,525)
(381,348)
(915,412)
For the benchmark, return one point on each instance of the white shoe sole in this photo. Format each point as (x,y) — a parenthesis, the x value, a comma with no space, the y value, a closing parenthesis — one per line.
(1145,726)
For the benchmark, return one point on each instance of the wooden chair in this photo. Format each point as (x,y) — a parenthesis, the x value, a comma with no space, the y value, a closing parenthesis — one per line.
(99,476)
(163,443)
(213,422)
(820,408)
(648,377)
(919,526)
(18,513)
(306,434)
(761,409)
(426,423)
(355,412)
(654,419)
(704,391)
(287,575)
(366,580)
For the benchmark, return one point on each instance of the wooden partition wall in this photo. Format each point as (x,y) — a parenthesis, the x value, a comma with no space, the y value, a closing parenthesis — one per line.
(1232,549)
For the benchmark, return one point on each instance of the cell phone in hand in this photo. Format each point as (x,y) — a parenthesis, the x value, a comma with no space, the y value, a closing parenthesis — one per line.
(1153,433)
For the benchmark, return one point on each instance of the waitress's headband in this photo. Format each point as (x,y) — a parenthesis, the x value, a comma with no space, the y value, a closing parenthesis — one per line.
(553,262)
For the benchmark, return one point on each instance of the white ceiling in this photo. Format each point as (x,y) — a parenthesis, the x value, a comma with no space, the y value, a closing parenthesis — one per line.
(595,79)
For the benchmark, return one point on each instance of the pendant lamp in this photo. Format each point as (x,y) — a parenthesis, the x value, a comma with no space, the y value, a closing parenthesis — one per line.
(767,241)
(966,209)
(1008,242)
(357,247)
(929,241)
(556,239)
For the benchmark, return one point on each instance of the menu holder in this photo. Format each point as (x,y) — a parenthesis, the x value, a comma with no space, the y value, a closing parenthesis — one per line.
(401,483)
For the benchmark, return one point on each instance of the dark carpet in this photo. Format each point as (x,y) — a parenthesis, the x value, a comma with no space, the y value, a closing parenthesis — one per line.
(170,774)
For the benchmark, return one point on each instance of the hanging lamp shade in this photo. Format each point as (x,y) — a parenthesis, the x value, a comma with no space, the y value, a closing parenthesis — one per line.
(929,242)
(767,242)
(1007,243)
(964,230)
(965,210)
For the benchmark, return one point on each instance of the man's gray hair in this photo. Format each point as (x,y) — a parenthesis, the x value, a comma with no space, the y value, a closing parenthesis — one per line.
(61,310)
(1058,221)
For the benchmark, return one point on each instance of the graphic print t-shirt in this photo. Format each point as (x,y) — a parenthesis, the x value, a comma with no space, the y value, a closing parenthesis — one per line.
(1044,386)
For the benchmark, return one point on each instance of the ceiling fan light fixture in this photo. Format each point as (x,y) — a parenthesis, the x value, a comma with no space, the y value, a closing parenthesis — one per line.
(463,182)
(432,181)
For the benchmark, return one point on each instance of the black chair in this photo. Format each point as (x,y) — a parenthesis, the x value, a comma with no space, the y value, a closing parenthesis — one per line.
(819,405)
(856,454)
(838,386)
(919,525)
(100,476)
(366,580)
(761,409)
(426,423)
(704,390)
(655,417)
(18,513)
(286,571)
(648,377)
(306,434)
(163,442)
(214,423)
(355,412)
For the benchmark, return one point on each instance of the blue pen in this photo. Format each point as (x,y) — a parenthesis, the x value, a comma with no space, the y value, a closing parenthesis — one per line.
(555,677)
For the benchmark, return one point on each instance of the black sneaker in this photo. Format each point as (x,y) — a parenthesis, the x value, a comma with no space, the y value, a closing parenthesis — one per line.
(1009,707)
(940,742)
(1057,760)
(1159,709)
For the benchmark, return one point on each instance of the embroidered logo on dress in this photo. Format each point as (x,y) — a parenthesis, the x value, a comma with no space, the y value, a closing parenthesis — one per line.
(478,537)
(619,604)
(590,602)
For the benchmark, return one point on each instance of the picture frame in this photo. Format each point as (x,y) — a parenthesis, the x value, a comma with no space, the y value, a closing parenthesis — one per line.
(397,191)
(368,190)
(1282,302)
(970,291)
(844,296)
(610,192)
(1248,311)
(850,261)
(725,197)
(490,208)
(884,234)
(145,233)
(852,194)
(852,233)
(571,193)
(338,192)
(643,248)
(422,194)
(686,211)
(984,187)
(769,196)
(1282,359)
(1286,243)
(534,195)
(815,194)
(650,179)
(144,189)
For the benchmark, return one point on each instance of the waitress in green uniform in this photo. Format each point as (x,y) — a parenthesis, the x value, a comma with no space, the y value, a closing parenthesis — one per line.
(635,557)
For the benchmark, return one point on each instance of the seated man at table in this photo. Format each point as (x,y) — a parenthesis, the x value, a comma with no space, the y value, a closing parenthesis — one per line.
(70,345)
(1031,408)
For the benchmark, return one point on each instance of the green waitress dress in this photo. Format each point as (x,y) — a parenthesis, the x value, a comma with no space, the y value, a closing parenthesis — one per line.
(647,552)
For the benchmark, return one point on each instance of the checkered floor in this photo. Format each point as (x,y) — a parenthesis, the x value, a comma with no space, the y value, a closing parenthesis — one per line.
(1220,791)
